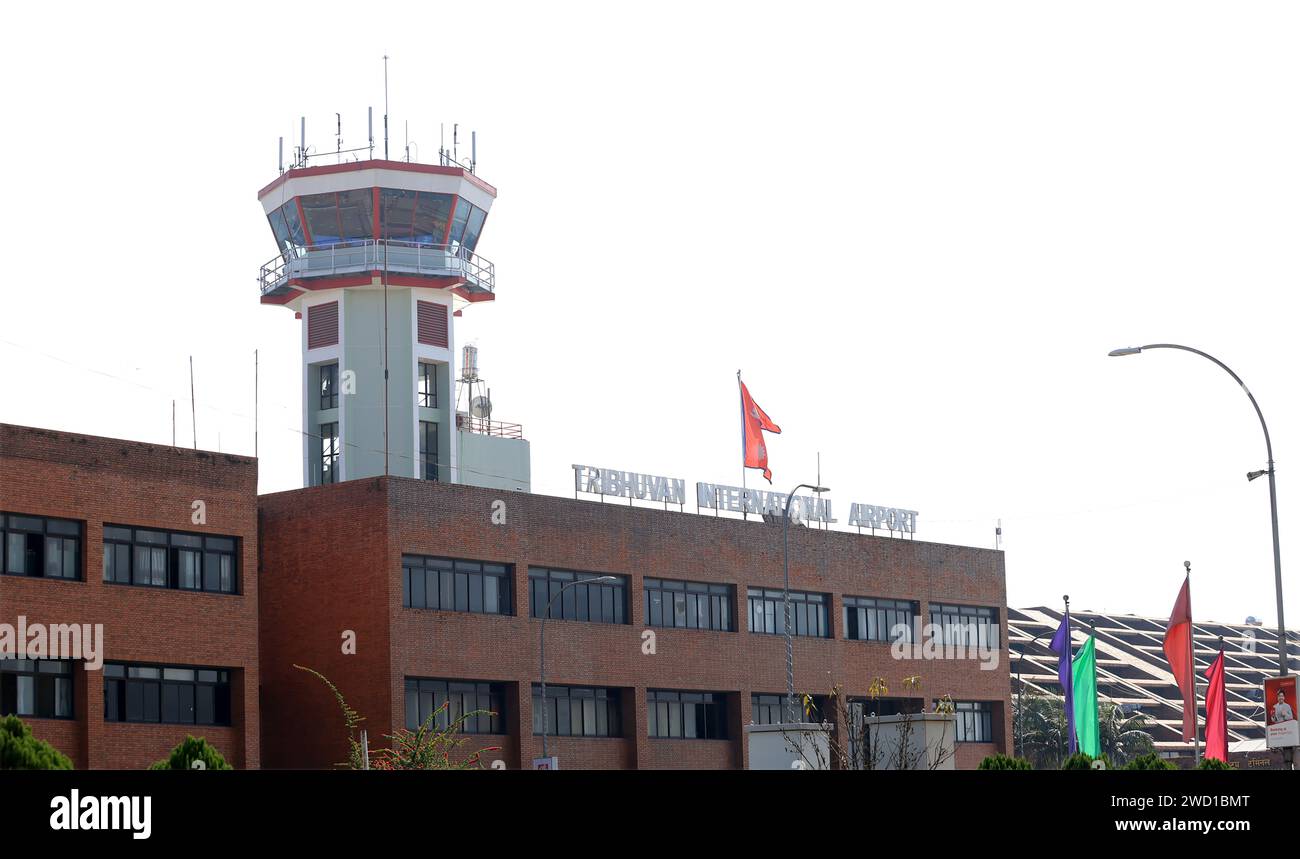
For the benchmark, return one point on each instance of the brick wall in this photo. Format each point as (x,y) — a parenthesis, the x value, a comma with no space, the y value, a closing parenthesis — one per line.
(97,480)
(347,541)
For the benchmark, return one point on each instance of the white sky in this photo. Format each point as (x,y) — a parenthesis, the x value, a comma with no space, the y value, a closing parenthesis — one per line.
(917,228)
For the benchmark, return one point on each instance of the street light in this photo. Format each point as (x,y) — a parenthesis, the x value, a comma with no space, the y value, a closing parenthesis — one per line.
(545,615)
(789,640)
(1282,654)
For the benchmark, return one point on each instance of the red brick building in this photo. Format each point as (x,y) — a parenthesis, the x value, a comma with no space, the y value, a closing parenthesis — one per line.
(440,587)
(159,545)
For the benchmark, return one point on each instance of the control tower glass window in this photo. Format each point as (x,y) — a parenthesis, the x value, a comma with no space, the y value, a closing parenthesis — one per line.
(342,217)
(329,386)
(329,453)
(427,392)
(414,216)
(288,229)
(428,450)
(466,226)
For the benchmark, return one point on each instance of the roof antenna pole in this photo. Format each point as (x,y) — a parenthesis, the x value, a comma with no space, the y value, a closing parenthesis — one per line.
(338,138)
(370,126)
(455,140)
(473,150)
(282,153)
(385,107)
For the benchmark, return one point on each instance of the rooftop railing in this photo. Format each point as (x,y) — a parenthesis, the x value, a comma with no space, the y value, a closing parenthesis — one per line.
(353,257)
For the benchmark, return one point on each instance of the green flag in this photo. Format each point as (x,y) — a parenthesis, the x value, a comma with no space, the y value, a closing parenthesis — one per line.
(1085,698)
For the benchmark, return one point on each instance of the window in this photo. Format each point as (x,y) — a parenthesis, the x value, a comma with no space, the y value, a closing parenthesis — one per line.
(329,453)
(807,612)
(40,546)
(603,602)
(171,559)
(466,225)
(449,700)
(689,605)
(867,619)
(770,709)
(968,625)
(338,217)
(454,585)
(329,386)
(172,694)
(687,715)
(428,450)
(38,688)
(426,396)
(974,721)
(577,711)
(414,216)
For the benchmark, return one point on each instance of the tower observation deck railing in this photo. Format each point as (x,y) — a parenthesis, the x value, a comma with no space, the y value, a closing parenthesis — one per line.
(376,255)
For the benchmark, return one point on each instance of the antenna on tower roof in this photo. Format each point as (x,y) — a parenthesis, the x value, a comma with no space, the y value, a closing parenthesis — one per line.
(338,138)
(473,150)
(455,139)
(385,107)
(281,155)
(406,126)
(370,129)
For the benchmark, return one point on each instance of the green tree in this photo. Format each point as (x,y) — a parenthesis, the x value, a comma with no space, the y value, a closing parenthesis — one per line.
(1046,741)
(20,750)
(1150,761)
(1123,737)
(1004,762)
(1084,761)
(1040,721)
(188,751)
(1212,764)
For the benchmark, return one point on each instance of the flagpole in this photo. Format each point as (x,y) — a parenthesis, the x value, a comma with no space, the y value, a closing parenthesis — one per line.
(1071,739)
(744,447)
(1191,663)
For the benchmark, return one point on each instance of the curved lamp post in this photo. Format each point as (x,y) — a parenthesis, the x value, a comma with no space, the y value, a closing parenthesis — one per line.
(1282,649)
(789,640)
(545,615)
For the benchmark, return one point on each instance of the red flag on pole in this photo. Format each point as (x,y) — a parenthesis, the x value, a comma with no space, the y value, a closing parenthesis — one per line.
(1178,650)
(754,421)
(1216,712)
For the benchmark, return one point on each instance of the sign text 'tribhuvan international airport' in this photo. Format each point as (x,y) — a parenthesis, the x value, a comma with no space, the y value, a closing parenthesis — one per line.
(610,482)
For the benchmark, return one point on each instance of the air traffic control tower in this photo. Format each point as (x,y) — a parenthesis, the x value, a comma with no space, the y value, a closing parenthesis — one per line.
(378,258)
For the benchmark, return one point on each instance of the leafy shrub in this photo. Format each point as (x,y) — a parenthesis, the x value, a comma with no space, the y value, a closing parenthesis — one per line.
(1004,762)
(1150,761)
(19,750)
(1083,761)
(1213,764)
(189,750)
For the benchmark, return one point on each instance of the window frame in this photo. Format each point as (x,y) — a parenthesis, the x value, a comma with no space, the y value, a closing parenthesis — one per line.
(417,569)
(171,546)
(773,602)
(570,606)
(672,703)
(36,559)
(714,599)
(414,690)
(120,686)
(860,611)
(19,669)
(606,709)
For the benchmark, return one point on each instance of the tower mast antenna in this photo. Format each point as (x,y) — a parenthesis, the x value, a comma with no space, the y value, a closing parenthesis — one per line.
(385,107)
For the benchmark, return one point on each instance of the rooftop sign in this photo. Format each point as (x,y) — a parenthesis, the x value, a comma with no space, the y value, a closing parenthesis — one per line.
(607,482)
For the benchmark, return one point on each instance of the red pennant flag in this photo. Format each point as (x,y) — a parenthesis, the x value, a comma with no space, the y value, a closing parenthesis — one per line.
(1178,650)
(754,421)
(1216,712)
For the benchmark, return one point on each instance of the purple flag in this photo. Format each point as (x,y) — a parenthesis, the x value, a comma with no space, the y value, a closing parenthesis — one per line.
(1061,647)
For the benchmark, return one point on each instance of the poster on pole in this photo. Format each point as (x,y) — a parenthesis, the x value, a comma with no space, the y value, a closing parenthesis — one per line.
(1281,727)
